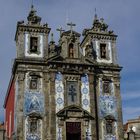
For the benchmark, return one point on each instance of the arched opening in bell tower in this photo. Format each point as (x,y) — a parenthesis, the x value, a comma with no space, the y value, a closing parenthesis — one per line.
(71,50)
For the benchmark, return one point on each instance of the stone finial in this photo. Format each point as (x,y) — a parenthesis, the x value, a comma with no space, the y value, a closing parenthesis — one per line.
(32,17)
(52,46)
(52,39)
(95,16)
(99,25)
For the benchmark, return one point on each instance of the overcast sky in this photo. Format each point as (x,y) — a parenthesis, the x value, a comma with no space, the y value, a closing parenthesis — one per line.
(122,16)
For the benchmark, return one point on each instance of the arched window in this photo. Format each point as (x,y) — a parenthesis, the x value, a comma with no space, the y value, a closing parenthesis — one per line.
(71,50)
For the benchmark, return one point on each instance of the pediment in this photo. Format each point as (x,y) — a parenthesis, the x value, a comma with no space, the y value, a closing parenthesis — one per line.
(56,58)
(110,117)
(74,111)
(90,61)
(35,114)
(69,32)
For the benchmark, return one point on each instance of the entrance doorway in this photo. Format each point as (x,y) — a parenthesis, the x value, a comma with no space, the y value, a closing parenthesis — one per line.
(73,131)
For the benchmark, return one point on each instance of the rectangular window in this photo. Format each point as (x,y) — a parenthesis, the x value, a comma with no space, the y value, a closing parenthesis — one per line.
(33,45)
(71,51)
(34,83)
(109,125)
(106,87)
(33,126)
(103,53)
(72,92)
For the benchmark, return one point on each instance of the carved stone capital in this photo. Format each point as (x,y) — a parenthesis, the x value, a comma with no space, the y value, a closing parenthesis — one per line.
(21,76)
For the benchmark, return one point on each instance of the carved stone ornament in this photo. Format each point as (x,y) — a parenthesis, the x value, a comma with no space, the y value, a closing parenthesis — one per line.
(21,77)
(33,82)
(32,17)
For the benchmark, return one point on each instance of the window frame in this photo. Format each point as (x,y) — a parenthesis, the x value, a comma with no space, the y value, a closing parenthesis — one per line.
(32,39)
(103,45)
(109,124)
(71,47)
(33,120)
(33,79)
(105,83)
(110,121)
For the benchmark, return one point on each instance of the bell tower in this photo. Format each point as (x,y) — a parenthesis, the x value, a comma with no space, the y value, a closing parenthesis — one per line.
(28,85)
(70,43)
(99,48)
(99,43)
(32,38)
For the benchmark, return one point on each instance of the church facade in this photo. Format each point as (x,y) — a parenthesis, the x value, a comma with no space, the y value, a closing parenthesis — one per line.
(64,91)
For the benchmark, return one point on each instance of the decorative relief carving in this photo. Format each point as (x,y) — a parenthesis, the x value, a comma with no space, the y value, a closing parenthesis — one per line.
(74,114)
(106,86)
(72,92)
(33,82)
(72,77)
(21,77)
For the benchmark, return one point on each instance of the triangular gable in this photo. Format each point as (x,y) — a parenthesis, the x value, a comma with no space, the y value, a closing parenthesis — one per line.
(74,111)
(56,58)
(69,32)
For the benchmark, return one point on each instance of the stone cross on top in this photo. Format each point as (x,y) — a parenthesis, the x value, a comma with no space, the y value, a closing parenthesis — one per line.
(60,30)
(71,25)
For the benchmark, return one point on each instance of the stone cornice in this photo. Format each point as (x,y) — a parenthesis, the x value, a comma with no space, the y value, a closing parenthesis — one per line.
(99,35)
(67,67)
(31,28)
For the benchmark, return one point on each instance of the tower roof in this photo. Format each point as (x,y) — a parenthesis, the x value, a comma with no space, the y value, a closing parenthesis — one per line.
(99,24)
(99,27)
(32,17)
